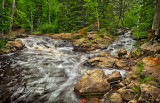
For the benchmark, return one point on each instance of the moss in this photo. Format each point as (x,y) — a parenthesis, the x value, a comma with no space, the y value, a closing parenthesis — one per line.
(140,67)
(136,90)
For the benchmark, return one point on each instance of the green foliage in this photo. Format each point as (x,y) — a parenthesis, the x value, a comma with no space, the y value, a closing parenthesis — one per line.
(136,90)
(92,27)
(2,42)
(78,36)
(140,67)
(47,28)
(138,48)
(148,79)
(71,15)
(140,34)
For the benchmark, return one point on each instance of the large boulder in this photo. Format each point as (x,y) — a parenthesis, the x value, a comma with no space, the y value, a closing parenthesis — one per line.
(115,76)
(149,93)
(17,44)
(150,48)
(93,82)
(12,46)
(151,66)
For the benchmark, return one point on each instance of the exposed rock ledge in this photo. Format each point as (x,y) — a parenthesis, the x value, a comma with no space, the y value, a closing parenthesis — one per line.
(12,46)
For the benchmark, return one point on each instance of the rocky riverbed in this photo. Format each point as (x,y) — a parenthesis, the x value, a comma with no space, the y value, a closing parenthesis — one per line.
(109,72)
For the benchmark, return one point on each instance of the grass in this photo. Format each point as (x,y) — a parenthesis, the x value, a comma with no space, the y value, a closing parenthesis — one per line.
(136,90)
(140,67)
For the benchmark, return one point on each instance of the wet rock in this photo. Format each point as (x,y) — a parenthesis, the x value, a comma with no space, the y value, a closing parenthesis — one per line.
(127,94)
(116,86)
(149,93)
(133,101)
(63,43)
(93,82)
(17,44)
(128,55)
(120,31)
(115,76)
(102,61)
(103,54)
(12,46)
(122,52)
(112,98)
(22,36)
(121,63)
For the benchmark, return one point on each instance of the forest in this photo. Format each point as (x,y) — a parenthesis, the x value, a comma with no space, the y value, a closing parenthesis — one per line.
(56,16)
(80,51)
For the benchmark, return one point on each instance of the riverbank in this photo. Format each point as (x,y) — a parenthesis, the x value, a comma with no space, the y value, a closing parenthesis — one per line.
(140,85)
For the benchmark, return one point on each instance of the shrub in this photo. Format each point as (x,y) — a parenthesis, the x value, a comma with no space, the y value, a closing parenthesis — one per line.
(49,28)
(2,42)
(140,65)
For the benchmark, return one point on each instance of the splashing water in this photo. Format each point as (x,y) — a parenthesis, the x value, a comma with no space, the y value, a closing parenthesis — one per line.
(46,71)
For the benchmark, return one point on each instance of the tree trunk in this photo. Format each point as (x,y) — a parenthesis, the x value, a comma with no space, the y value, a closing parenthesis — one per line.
(122,18)
(31,21)
(138,22)
(49,17)
(156,21)
(98,25)
(11,20)
(120,12)
(2,14)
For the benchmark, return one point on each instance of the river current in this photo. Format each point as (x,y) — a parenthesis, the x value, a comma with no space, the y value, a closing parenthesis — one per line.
(47,70)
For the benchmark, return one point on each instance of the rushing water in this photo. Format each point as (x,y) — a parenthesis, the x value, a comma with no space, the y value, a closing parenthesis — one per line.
(124,41)
(46,71)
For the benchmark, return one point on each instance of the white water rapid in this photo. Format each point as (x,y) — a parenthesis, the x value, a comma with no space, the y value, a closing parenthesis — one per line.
(46,71)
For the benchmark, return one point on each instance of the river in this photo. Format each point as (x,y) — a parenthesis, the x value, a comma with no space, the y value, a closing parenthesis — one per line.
(47,70)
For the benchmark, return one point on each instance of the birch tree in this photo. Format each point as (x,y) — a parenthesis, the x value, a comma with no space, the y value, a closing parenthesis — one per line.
(11,16)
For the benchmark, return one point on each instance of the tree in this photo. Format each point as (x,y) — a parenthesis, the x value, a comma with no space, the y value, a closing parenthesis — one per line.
(11,20)
(156,21)
(49,17)
(2,14)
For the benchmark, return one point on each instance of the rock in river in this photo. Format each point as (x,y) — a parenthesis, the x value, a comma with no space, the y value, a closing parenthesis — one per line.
(107,61)
(115,76)
(93,82)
